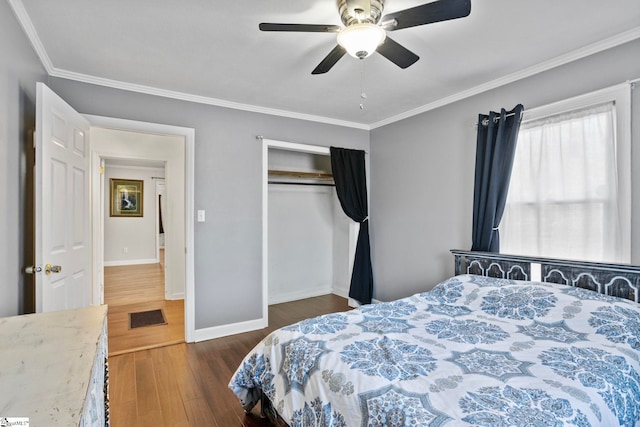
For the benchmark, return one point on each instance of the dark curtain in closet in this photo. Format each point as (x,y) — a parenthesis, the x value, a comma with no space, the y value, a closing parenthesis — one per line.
(161,227)
(349,174)
(495,150)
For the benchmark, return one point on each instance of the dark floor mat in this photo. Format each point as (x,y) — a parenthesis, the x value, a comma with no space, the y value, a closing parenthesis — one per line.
(147,318)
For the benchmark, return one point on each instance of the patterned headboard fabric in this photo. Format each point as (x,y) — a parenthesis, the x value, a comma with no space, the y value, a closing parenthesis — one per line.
(620,280)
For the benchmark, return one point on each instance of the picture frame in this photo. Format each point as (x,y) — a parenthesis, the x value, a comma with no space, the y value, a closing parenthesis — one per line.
(126,197)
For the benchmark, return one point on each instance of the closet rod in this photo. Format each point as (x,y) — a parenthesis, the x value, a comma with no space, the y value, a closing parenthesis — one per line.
(299,174)
(318,184)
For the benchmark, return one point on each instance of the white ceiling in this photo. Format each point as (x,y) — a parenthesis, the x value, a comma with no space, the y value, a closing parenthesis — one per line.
(212,51)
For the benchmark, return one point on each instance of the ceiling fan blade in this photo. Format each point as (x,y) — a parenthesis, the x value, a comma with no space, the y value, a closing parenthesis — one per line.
(396,53)
(441,10)
(330,60)
(305,28)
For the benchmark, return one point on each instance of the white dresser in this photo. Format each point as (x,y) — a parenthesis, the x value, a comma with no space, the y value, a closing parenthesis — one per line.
(53,368)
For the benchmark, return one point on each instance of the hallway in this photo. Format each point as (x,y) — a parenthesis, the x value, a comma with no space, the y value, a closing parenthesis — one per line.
(135,288)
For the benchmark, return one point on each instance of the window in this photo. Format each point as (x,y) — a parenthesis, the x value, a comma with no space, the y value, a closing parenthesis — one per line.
(570,190)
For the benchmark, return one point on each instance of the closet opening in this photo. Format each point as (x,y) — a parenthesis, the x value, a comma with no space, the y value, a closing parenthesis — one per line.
(308,241)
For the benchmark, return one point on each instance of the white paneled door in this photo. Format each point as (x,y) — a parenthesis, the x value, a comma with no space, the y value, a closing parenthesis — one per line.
(62,220)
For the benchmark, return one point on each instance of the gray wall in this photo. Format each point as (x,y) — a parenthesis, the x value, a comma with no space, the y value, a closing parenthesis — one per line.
(228,185)
(422,171)
(421,174)
(19,71)
(137,235)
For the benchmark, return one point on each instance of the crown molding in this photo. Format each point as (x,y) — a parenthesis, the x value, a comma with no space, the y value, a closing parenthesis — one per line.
(149,90)
(22,16)
(25,21)
(583,52)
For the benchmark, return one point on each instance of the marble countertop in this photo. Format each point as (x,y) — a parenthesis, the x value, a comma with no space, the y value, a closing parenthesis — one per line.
(45,364)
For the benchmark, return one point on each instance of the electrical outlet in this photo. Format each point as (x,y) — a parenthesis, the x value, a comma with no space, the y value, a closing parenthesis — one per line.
(125,250)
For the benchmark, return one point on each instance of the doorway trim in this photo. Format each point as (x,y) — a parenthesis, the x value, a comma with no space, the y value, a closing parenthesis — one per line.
(189,145)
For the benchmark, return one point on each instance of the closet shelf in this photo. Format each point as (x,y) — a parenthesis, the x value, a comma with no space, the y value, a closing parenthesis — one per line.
(297,174)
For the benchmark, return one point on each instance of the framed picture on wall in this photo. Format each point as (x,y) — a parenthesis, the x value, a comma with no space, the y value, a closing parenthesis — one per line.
(126,197)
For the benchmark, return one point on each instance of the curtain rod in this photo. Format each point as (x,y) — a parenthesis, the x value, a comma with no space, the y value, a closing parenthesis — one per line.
(632,83)
(485,121)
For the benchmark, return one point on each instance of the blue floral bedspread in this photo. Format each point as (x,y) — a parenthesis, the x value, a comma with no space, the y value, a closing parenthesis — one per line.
(472,351)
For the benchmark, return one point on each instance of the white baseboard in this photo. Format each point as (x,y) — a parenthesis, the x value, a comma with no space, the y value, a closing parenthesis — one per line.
(226,330)
(293,296)
(247,326)
(340,291)
(176,296)
(344,293)
(130,262)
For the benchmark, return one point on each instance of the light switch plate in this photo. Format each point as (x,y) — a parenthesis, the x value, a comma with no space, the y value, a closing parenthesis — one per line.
(200,215)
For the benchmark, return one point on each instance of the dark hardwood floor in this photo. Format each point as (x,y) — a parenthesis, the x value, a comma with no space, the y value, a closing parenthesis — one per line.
(187,384)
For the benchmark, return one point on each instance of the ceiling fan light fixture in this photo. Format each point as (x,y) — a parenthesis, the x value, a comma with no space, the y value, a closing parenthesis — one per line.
(361,40)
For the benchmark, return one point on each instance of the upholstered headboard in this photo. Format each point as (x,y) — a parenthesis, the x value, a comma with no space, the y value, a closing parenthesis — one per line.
(620,280)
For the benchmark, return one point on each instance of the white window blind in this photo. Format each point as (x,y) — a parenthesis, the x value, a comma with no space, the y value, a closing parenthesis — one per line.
(569,193)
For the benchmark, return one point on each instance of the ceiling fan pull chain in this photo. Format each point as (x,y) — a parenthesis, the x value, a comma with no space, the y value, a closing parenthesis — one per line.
(363,95)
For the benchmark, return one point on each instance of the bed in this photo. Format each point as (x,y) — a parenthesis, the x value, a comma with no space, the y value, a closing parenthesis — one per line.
(506,341)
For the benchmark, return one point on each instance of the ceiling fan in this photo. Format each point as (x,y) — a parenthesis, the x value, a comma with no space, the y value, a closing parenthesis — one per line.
(365,29)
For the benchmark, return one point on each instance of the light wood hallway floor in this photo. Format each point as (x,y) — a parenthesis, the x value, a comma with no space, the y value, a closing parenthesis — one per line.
(187,384)
(134,288)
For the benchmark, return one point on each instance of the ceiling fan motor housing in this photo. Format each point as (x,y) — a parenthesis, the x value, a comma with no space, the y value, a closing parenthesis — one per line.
(360,11)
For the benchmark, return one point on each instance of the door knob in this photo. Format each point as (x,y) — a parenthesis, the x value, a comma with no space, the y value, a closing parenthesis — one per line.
(48,269)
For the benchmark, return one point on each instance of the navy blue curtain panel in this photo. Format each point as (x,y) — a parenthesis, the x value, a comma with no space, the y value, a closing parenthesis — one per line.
(161,226)
(350,177)
(495,150)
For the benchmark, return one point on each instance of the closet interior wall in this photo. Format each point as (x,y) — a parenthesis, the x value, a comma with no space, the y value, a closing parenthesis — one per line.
(308,234)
